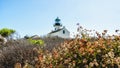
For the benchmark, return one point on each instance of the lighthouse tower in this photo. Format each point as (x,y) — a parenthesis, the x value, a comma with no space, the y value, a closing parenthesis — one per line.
(57,24)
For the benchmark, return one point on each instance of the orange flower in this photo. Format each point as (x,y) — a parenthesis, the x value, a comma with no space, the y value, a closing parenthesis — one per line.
(90,50)
(55,54)
(18,65)
(82,40)
(81,49)
(88,43)
(51,66)
(40,57)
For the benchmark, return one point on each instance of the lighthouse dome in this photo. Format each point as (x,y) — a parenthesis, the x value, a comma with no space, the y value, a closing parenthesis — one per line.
(57,22)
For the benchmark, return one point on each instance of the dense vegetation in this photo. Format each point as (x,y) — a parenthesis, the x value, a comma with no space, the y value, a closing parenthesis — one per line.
(84,51)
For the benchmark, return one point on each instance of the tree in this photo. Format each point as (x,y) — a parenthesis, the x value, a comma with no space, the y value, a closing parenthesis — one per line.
(5,32)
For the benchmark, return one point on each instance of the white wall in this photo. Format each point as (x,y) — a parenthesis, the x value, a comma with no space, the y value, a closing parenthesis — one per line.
(60,33)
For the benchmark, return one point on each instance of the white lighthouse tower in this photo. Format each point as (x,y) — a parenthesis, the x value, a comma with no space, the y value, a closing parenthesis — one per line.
(57,24)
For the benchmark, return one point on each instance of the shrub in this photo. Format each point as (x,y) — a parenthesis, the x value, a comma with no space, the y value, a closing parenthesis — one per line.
(5,32)
(84,52)
(52,42)
(36,42)
(18,51)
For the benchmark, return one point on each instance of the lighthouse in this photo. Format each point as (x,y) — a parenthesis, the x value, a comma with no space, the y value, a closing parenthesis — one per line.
(59,30)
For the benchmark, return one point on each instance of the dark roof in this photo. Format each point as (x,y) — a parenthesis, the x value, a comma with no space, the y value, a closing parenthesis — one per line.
(57,24)
(55,31)
(35,37)
(57,19)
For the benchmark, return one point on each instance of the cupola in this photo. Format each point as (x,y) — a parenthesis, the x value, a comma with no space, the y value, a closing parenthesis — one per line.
(57,24)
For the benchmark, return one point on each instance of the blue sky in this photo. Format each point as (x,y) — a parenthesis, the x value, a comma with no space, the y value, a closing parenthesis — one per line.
(37,16)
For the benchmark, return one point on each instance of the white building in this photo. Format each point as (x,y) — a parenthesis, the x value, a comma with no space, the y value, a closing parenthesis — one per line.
(59,30)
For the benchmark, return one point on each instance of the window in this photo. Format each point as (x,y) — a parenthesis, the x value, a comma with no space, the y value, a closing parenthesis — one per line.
(63,31)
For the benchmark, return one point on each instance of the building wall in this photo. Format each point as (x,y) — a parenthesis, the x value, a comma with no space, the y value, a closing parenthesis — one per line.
(61,34)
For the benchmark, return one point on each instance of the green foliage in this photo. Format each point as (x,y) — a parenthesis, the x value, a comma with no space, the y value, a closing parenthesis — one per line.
(5,32)
(36,42)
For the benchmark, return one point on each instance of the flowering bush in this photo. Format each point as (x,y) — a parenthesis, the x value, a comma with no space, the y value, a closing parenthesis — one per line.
(85,52)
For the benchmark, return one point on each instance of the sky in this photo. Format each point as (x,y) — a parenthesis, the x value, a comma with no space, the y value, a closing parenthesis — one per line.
(30,17)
